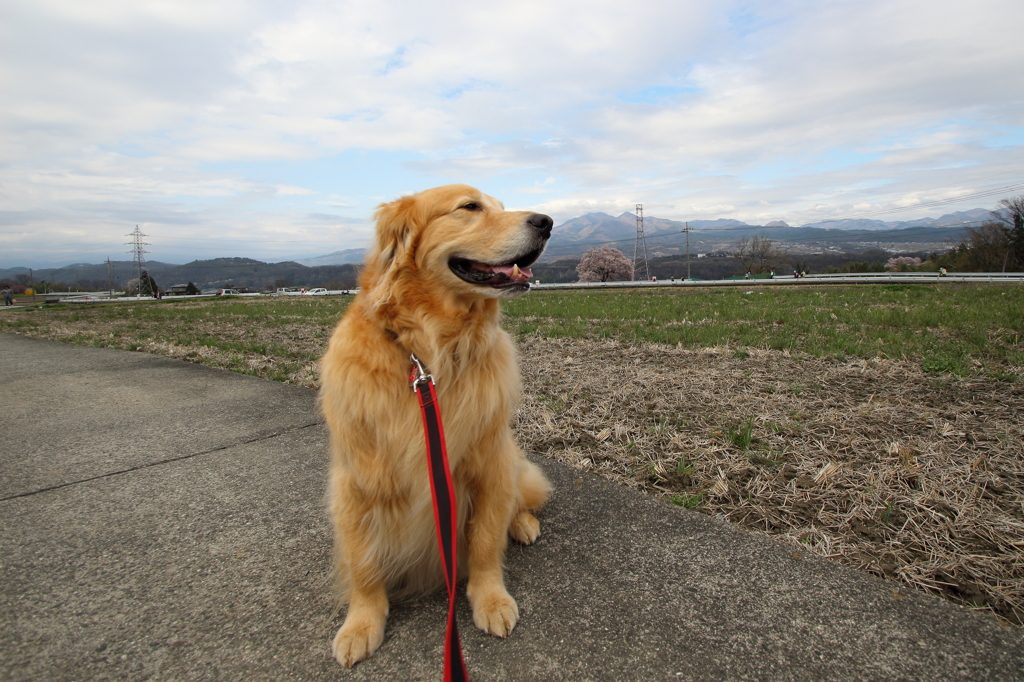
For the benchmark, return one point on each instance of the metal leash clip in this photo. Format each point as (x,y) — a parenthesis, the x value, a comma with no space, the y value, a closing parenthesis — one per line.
(418,376)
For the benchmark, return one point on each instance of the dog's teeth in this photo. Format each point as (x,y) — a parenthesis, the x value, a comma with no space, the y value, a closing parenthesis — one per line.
(515,270)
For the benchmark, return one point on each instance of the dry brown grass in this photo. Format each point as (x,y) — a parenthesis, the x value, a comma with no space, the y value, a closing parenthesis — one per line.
(873,463)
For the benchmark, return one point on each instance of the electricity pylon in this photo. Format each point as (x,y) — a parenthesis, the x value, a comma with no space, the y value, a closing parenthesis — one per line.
(138,254)
(640,240)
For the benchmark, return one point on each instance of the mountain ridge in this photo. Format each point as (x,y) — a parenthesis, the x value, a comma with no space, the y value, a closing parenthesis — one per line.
(574,236)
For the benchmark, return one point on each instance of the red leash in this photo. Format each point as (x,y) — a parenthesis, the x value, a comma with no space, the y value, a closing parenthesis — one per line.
(446,519)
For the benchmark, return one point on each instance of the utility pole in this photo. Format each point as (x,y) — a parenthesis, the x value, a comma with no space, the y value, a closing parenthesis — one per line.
(640,239)
(687,231)
(110,280)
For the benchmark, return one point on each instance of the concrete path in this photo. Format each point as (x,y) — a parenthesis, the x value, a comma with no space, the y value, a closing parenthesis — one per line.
(165,521)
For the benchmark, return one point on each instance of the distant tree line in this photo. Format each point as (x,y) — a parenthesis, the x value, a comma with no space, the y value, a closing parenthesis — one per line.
(216,273)
(995,246)
(19,283)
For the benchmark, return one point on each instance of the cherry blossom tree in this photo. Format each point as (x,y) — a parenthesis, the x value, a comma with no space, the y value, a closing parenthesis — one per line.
(902,263)
(604,264)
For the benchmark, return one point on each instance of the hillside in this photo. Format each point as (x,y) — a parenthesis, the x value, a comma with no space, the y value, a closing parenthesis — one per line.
(796,240)
(665,237)
(604,227)
(206,274)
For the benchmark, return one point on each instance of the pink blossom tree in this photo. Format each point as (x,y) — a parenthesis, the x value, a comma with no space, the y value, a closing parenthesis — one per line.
(604,264)
(902,263)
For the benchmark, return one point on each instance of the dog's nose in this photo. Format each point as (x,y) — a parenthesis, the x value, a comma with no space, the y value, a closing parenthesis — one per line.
(541,222)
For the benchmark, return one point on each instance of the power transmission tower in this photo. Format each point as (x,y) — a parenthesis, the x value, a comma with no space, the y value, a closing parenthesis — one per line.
(687,231)
(139,255)
(640,240)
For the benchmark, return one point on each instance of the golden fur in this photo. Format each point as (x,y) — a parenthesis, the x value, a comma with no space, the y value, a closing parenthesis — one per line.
(413,299)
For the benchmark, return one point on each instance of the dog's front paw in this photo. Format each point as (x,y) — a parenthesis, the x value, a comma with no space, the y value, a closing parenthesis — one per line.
(495,612)
(525,528)
(356,641)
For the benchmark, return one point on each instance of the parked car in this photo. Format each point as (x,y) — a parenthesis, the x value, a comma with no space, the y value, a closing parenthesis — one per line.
(319,291)
(228,292)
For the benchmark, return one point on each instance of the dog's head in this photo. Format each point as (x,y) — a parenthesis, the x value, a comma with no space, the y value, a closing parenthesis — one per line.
(454,240)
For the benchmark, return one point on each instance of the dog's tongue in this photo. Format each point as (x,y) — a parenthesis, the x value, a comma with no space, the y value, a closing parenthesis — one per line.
(513,271)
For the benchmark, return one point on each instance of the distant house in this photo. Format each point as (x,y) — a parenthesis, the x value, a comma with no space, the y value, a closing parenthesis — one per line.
(177,290)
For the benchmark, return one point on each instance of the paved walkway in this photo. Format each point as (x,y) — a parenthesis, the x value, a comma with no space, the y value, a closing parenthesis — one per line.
(165,521)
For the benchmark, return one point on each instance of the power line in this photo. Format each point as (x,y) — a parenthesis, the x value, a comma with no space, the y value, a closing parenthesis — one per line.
(686,230)
(235,239)
(937,202)
(983,177)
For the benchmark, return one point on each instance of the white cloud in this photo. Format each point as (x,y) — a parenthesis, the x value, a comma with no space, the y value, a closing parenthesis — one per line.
(227,116)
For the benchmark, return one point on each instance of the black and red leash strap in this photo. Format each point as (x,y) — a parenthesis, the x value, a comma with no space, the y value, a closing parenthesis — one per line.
(446,519)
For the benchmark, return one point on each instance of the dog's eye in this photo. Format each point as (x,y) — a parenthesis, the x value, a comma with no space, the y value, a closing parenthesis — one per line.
(472,206)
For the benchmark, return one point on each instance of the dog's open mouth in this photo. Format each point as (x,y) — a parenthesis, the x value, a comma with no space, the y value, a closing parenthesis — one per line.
(514,274)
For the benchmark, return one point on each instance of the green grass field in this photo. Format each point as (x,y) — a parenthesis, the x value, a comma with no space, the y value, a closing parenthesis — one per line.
(958,329)
(287,334)
(961,329)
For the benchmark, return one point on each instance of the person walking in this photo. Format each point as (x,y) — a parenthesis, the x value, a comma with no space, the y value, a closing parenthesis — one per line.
(8,295)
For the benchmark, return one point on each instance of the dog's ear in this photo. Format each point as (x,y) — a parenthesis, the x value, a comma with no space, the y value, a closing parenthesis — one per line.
(397,224)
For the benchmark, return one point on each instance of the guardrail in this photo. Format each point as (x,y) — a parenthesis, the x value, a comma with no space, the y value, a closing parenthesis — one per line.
(844,278)
(986,276)
(841,278)
(104,298)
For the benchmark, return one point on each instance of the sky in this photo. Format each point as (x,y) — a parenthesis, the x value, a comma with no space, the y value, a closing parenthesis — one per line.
(272,130)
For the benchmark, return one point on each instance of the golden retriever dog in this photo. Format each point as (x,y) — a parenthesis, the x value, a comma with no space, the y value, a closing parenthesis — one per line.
(431,284)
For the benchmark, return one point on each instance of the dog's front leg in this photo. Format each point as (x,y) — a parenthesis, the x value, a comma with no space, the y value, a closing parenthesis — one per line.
(363,629)
(493,502)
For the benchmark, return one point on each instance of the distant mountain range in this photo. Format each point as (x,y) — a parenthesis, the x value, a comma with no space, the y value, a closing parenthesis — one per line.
(354,256)
(969,218)
(575,236)
(604,227)
(570,239)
